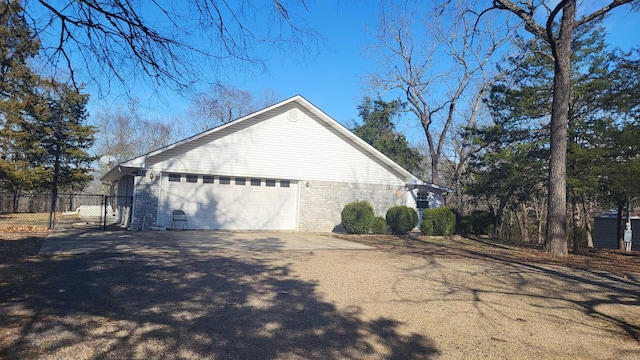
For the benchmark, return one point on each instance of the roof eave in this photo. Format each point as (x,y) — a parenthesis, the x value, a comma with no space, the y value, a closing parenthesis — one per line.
(117,172)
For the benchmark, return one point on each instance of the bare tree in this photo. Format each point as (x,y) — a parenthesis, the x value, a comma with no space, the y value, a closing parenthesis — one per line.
(223,103)
(161,41)
(442,74)
(559,36)
(126,133)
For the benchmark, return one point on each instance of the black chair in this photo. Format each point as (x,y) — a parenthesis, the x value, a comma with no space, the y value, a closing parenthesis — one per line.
(179,217)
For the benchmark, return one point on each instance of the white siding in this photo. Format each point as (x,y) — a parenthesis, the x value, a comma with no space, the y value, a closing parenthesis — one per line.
(271,145)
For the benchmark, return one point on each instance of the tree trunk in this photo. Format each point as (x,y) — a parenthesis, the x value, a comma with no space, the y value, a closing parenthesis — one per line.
(538,208)
(497,231)
(556,239)
(435,174)
(16,196)
(588,228)
(620,224)
(579,242)
(523,222)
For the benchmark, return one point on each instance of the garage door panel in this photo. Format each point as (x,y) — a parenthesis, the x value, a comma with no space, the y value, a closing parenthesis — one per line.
(230,206)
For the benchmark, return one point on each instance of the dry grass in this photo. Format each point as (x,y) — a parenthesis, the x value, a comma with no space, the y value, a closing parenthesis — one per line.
(26,222)
(613,261)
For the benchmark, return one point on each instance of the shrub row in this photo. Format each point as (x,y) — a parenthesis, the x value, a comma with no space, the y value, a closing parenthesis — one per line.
(358,218)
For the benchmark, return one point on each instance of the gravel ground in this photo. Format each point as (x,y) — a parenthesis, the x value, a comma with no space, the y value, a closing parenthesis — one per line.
(321,304)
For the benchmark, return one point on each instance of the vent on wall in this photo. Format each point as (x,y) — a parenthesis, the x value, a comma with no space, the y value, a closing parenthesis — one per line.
(293,115)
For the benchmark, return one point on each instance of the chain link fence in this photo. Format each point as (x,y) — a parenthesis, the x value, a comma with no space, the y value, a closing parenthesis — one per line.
(24,212)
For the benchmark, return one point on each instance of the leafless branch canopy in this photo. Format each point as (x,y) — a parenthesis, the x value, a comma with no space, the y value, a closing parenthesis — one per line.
(527,12)
(440,60)
(173,43)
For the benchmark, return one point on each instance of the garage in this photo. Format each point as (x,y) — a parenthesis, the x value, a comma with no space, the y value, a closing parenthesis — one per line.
(286,167)
(229,203)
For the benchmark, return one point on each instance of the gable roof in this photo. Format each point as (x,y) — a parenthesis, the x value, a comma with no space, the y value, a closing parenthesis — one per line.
(140,161)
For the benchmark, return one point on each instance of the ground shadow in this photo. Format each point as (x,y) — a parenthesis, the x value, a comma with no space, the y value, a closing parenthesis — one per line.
(186,306)
(585,289)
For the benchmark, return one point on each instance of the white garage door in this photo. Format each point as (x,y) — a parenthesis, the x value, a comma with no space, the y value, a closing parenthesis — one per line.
(230,203)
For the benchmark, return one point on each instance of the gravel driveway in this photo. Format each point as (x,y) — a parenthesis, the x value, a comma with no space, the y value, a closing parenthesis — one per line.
(316,304)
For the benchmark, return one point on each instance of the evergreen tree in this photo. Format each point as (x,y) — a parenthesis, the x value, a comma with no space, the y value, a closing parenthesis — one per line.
(43,140)
(604,91)
(378,130)
(17,47)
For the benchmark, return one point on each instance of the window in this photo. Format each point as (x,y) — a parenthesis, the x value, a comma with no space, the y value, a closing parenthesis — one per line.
(207,179)
(240,181)
(285,183)
(270,183)
(256,182)
(225,180)
(174,177)
(192,178)
(422,199)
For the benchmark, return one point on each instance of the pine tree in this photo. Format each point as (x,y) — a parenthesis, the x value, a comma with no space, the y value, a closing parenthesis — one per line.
(17,47)
(44,143)
(378,130)
(604,100)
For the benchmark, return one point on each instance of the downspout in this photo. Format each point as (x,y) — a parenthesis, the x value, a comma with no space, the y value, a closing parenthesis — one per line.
(159,180)
(133,200)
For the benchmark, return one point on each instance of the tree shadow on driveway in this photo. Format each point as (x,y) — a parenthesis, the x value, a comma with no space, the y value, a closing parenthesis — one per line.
(186,306)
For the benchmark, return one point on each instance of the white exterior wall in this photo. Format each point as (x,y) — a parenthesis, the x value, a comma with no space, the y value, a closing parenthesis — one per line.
(275,146)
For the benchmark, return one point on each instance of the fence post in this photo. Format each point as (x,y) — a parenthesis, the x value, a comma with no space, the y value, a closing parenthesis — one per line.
(52,210)
(104,213)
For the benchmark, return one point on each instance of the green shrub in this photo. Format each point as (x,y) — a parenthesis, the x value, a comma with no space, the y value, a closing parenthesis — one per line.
(379,226)
(481,222)
(401,219)
(463,225)
(357,217)
(438,222)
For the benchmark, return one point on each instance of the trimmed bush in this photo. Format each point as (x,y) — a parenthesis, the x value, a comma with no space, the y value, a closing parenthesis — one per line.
(463,225)
(401,219)
(481,222)
(357,217)
(438,222)
(379,226)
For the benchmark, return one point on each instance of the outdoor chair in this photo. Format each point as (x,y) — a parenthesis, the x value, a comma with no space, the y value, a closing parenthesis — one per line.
(179,217)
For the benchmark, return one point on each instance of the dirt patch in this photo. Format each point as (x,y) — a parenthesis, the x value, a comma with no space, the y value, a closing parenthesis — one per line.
(411,298)
(18,256)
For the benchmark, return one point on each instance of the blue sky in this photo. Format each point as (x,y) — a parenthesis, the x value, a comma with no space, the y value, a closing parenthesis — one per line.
(333,80)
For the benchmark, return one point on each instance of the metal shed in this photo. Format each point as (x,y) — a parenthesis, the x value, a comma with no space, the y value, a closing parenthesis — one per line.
(604,231)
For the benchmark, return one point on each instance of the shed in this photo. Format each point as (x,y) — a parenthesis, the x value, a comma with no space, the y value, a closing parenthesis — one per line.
(605,233)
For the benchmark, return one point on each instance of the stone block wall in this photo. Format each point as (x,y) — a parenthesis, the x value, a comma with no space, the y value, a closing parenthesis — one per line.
(321,202)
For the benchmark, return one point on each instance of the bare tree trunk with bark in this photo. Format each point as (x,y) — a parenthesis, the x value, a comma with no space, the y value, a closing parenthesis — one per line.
(579,238)
(523,222)
(556,240)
